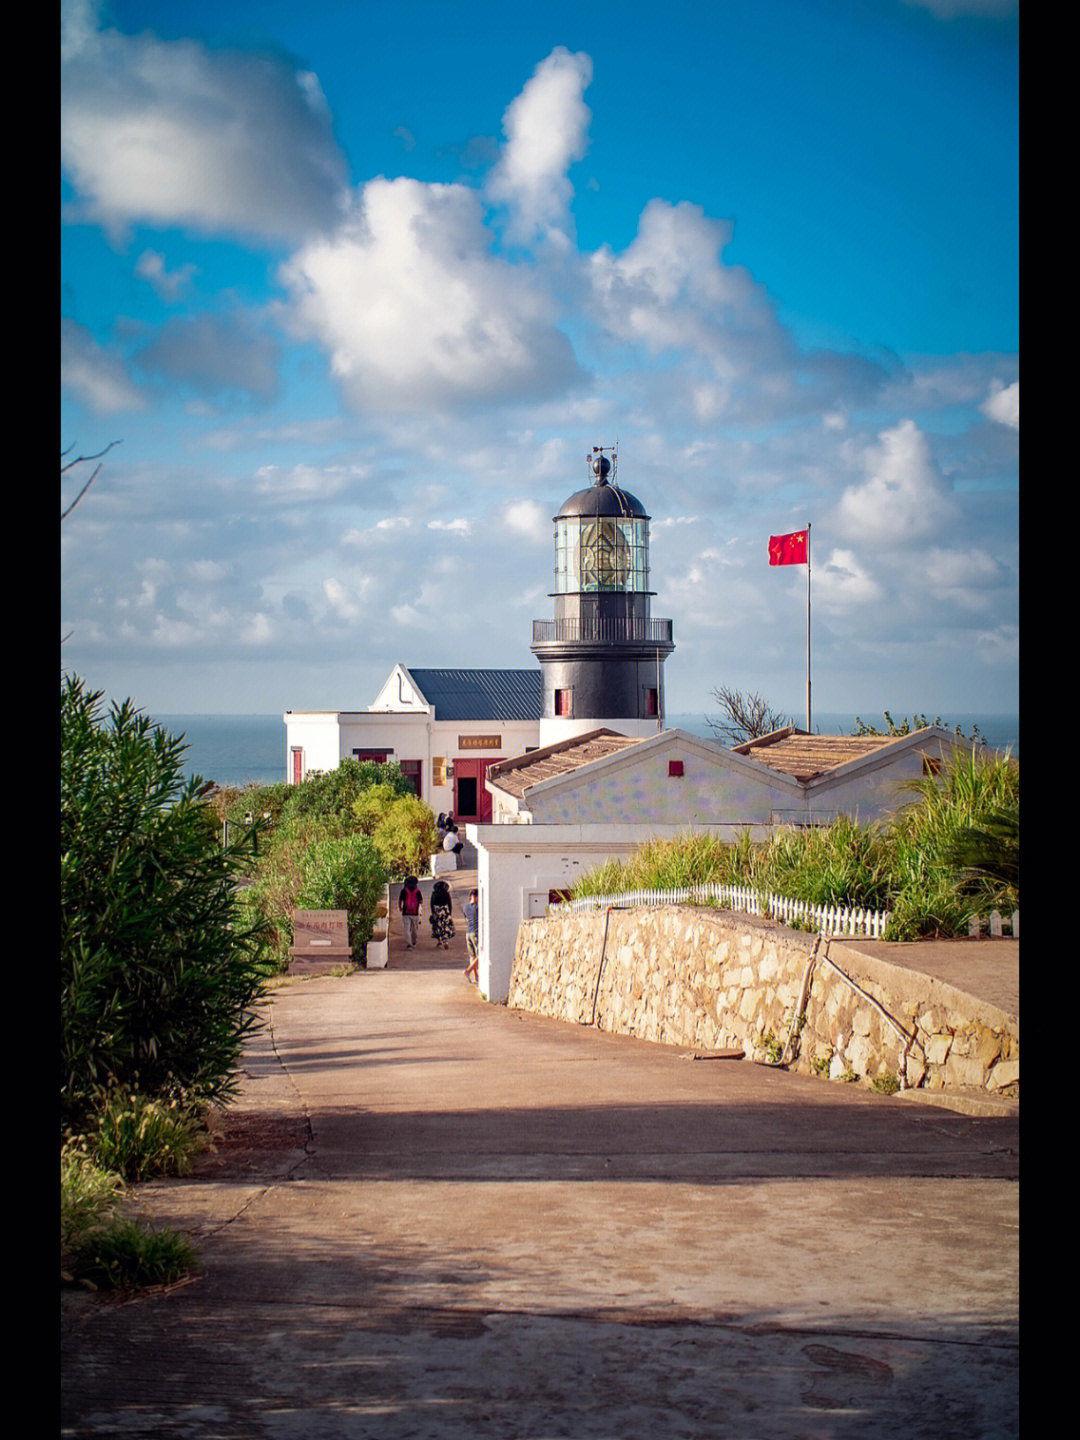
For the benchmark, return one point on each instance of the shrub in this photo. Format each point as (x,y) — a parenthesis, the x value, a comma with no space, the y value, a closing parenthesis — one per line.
(346,872)
(158,975)
(405,836)
(336,792)
(934,891)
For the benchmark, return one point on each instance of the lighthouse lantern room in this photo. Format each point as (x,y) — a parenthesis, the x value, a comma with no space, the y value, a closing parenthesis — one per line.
(602,654)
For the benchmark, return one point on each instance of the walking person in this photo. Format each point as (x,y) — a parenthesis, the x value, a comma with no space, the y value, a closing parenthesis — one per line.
(442,914)
(410,903)
(472,936)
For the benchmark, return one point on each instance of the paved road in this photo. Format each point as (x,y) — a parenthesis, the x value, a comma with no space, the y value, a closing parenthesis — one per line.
(441,1218)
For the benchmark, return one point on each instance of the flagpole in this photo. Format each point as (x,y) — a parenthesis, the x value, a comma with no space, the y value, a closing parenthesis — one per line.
(809,725)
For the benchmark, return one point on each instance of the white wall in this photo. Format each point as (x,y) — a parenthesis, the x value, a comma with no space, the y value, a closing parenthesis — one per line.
(330,736)
(316,732)
(516,862)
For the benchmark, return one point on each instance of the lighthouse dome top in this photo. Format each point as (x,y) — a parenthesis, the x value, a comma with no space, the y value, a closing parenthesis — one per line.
(602,497)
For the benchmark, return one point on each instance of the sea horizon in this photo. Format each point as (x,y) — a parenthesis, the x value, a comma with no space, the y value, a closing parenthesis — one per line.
(244,749)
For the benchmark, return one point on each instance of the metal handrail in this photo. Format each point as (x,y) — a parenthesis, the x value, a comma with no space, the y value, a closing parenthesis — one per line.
(634,628)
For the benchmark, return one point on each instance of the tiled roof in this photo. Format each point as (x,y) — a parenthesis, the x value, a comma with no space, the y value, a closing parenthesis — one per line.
(516,775)
(482,694)
(805,757)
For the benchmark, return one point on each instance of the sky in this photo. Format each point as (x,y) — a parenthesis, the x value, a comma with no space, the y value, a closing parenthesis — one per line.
(357,287)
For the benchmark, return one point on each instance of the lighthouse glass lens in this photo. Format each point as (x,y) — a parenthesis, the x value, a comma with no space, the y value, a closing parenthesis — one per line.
(599,554)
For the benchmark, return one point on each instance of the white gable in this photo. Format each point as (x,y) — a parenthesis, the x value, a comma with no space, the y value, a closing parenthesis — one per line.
(400,694)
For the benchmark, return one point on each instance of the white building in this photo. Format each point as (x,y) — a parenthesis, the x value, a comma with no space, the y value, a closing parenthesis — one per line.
(443,727)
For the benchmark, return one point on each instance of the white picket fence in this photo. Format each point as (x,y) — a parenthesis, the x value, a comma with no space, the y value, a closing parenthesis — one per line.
(826,919)
(995,923)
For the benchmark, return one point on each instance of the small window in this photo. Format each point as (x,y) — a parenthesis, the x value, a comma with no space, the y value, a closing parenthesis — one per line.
(931,765)
(564,702)
(652,701)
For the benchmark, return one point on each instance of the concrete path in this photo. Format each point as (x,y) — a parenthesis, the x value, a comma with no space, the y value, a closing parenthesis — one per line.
(440,1218)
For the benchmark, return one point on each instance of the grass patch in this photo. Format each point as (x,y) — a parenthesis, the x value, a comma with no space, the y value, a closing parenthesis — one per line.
(127,1256)
(135,1136)
(89,1197)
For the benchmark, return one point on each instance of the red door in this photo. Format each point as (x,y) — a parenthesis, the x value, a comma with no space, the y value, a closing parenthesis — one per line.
(472,800)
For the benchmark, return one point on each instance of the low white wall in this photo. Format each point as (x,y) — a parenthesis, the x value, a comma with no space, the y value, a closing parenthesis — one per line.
(518,864)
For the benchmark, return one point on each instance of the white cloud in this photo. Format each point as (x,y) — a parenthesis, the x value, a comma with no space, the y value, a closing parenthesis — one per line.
(98,377)
(842,583)
(416,312)
(903,498)
(340,600)
(258,630)
(1003,404)
(526,517)
(174,633)
(301,482)
(454,527)
(1000,645)
(171,133)
(207,572)
(168,285)
(546,128)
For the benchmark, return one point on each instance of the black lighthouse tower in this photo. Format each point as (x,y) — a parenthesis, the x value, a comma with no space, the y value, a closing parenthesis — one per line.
(602,655)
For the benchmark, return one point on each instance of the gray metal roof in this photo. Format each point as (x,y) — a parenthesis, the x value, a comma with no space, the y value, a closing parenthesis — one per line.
(482,694)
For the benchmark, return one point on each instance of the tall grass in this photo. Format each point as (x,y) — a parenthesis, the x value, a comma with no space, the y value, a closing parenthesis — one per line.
(950,852)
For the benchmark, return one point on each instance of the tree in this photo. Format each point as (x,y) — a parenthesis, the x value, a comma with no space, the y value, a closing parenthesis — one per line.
(158,976)
(746,717)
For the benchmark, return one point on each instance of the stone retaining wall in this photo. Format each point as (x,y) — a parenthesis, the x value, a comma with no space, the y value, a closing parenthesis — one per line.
(715,980)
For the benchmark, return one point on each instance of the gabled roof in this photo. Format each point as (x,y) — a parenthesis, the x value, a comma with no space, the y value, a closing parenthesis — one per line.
(803,756)
(482,694)
(515,776)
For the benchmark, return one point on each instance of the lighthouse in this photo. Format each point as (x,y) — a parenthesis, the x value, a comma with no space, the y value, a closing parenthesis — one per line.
(602,654)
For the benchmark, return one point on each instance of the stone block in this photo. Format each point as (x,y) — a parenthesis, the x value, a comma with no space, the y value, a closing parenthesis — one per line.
(937,1047)
(1005,1072)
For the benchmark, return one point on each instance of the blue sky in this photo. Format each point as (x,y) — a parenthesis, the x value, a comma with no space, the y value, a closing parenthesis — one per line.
(357,287)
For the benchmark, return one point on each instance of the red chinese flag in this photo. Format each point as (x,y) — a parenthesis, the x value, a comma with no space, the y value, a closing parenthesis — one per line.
(788,549)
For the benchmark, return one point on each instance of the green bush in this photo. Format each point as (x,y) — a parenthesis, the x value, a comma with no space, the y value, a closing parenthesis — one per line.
(345,872)
(405,836)
(158,975)
(336,792)
(293,865)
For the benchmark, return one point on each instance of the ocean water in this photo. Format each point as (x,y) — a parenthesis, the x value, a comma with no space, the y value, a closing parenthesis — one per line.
(236,749)
(231,749)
